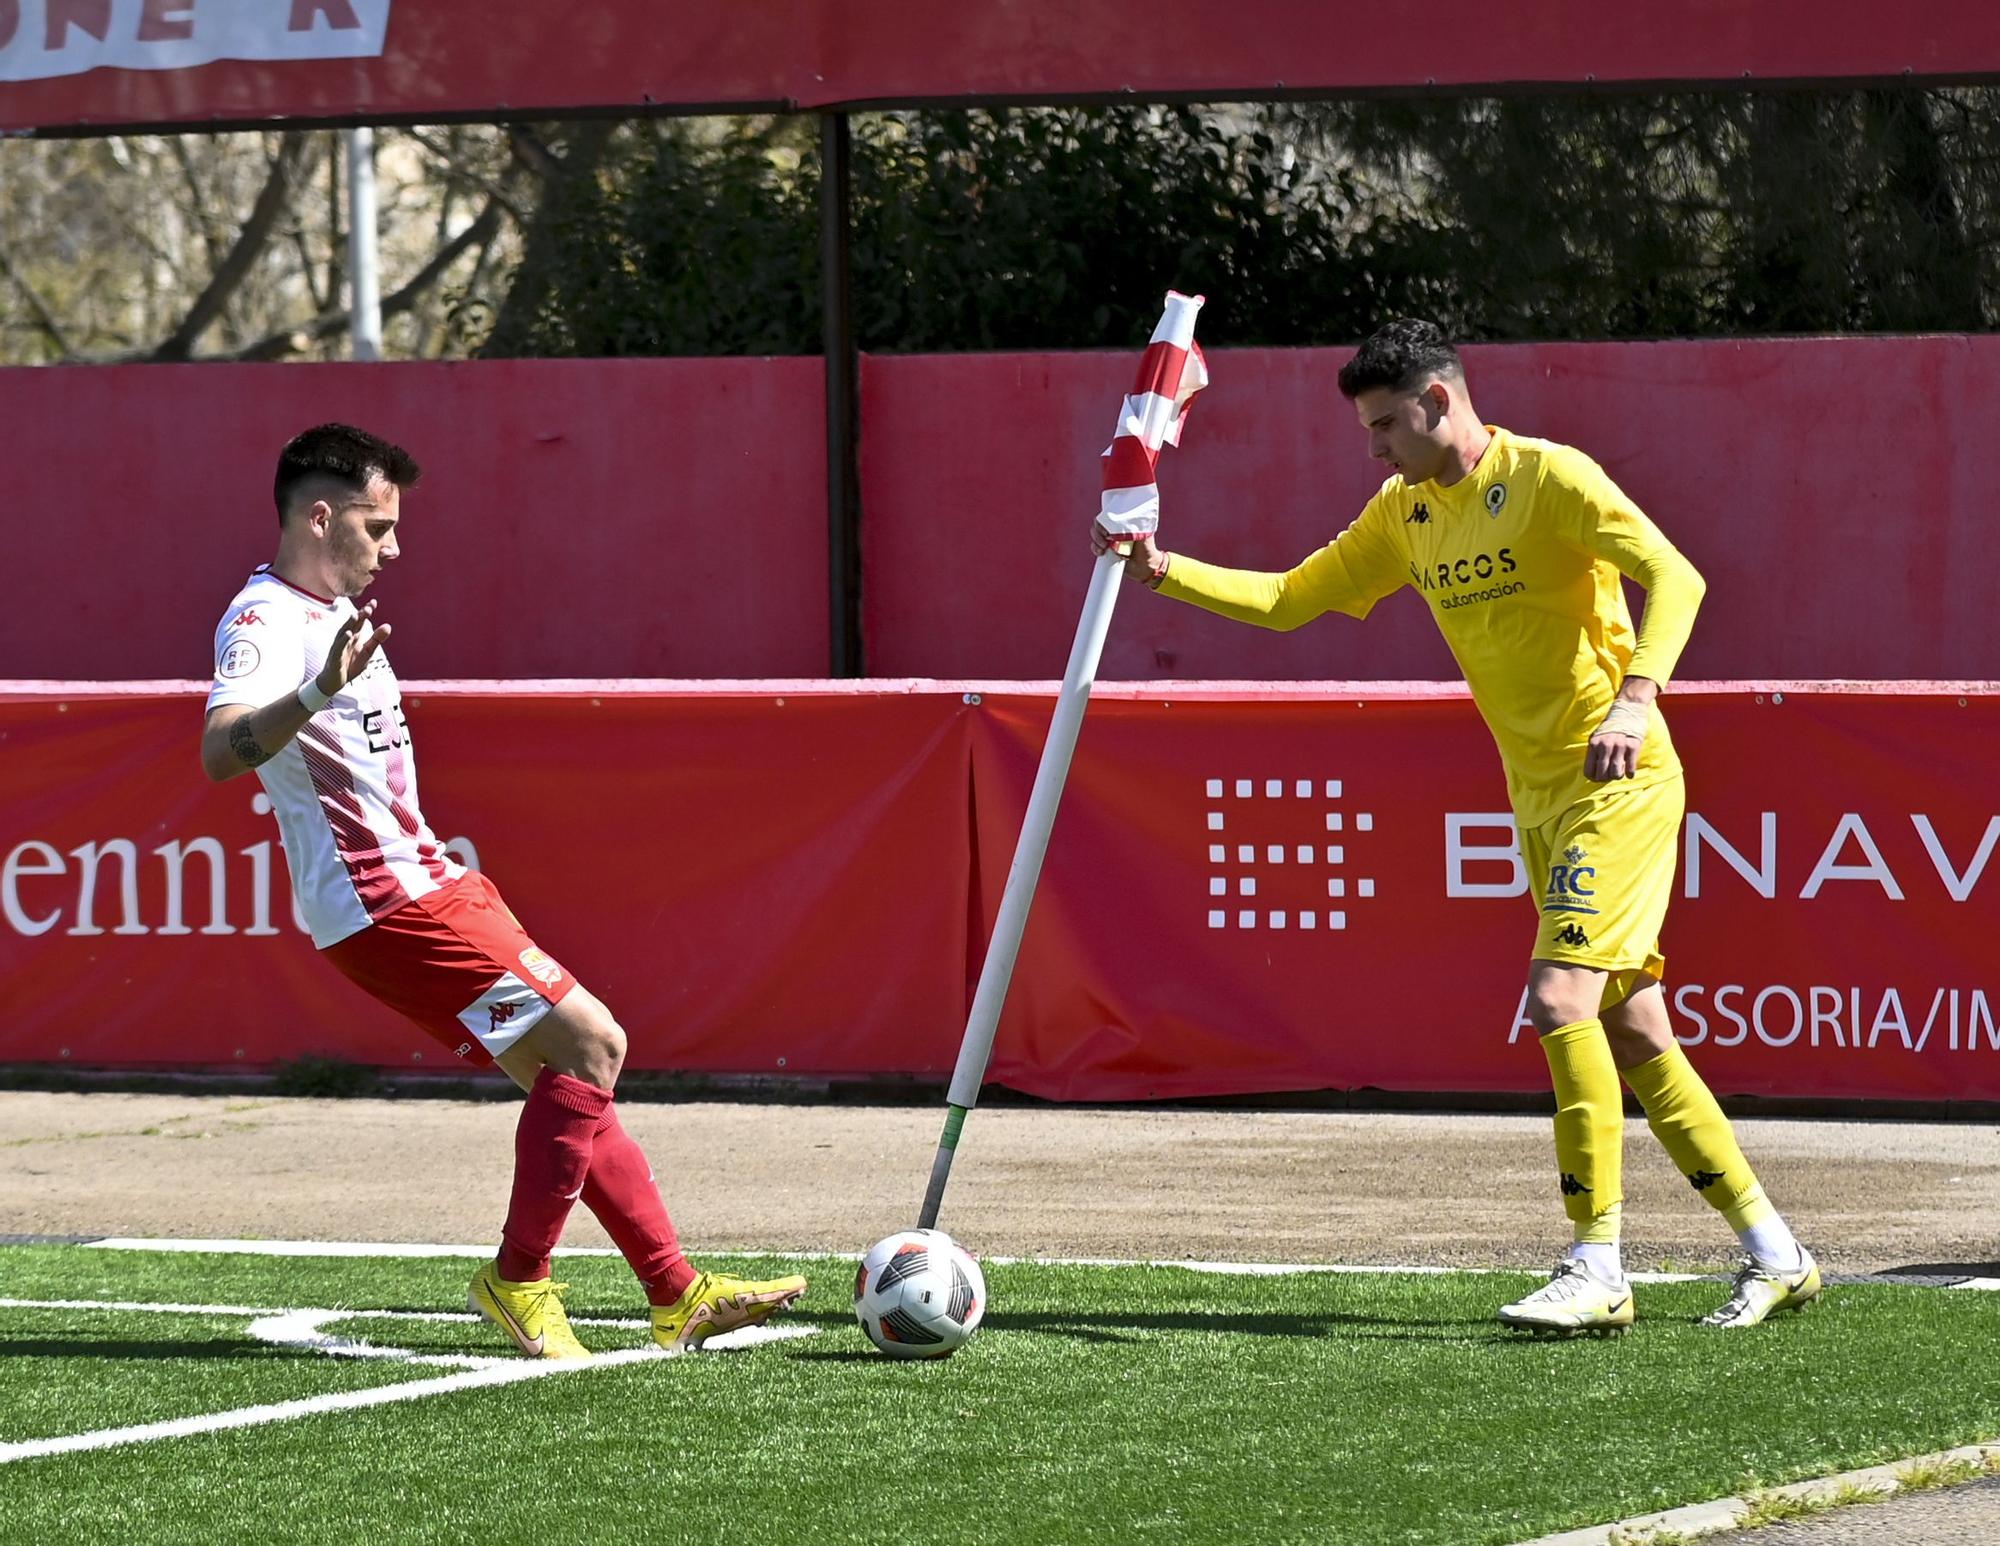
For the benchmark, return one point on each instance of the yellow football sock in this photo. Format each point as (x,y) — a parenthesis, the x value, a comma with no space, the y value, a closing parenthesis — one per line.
(1691,1126)
(1590,1128)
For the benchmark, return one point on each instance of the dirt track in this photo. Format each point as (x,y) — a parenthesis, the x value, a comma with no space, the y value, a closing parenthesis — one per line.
(1467,1190)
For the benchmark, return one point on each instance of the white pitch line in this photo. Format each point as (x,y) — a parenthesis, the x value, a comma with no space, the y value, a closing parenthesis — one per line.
(233,1310)
(309,1247)
(300,1328)
(312,1406)
(1225,1268)
(403,1249)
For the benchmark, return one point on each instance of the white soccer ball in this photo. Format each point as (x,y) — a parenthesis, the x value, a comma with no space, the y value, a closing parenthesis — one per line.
(919,1294)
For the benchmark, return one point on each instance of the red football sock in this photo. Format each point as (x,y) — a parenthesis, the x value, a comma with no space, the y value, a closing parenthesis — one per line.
(552,1148)
(620,1191)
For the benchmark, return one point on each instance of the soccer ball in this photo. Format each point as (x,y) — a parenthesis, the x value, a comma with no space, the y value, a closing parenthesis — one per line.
(919,1294)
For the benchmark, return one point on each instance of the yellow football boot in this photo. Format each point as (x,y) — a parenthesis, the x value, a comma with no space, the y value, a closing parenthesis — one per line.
(530,1313)
(714,1303)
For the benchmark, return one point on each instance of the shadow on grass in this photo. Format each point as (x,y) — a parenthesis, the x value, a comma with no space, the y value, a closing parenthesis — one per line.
(1131,1327)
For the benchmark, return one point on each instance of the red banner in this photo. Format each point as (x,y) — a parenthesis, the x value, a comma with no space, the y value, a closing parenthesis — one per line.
(1323,891)
(68,63)
(729,872)
(1318,889)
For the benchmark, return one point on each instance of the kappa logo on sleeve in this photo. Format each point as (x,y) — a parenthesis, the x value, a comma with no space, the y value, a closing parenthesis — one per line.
(240,659)
(540,967)
(245,618)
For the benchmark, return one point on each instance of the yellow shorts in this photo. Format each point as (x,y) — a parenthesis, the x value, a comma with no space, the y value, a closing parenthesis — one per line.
(1603,873)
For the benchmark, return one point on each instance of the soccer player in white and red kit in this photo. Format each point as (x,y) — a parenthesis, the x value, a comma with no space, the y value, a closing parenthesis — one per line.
(304,694)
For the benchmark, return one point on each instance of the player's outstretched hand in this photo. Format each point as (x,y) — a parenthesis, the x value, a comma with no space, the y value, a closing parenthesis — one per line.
(1143,561)
(354,645)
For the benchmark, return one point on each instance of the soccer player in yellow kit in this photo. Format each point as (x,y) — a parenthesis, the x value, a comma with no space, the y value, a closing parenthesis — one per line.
(1518,546)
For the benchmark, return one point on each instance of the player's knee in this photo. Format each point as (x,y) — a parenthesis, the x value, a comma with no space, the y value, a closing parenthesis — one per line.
(602,1044)
(1551,1006)
(582,1039)
(611,1043)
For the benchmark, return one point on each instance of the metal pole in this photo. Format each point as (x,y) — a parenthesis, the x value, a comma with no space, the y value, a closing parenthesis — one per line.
(843,415)
(1029,850)
(364,325)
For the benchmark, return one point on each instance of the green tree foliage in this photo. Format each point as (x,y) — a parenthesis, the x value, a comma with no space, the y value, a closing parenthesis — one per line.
(1531,217)
(1016,229)
(1698,214)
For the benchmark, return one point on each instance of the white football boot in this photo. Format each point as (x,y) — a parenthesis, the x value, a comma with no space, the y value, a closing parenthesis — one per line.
(1573,1302)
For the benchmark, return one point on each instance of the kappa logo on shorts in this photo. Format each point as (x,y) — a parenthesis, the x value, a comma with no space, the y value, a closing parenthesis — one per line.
(1572,884)
(540,967)
(498,1015)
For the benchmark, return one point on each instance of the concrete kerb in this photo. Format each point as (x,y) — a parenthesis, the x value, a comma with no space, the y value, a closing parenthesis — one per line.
(1722,1514)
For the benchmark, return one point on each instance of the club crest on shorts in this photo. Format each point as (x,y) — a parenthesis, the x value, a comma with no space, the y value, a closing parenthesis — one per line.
(1572,884)
(540,967)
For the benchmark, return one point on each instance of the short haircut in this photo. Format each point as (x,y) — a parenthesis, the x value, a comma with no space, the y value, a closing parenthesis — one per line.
(348,456)
(1401,356)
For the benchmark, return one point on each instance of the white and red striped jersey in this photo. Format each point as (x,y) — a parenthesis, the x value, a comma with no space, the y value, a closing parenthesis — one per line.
(345,788)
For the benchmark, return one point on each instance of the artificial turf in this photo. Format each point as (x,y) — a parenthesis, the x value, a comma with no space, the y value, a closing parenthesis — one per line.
(1098,1403)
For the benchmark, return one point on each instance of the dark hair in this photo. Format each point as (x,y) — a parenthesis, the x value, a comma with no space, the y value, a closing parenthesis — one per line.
(1401,356)
(349,456)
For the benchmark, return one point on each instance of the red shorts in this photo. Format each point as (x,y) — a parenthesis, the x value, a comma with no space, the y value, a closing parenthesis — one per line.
(458,963)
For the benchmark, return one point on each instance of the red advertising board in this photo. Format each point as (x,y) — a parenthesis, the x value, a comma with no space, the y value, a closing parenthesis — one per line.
(1248,889)
(730,872)
(578,518)
(71,63)
(1242,889)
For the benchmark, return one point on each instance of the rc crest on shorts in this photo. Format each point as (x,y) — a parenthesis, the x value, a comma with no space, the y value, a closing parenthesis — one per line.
(1572,884)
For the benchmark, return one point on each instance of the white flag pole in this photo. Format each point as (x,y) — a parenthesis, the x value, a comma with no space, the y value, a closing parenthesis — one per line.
(1029,850)
(1170,373)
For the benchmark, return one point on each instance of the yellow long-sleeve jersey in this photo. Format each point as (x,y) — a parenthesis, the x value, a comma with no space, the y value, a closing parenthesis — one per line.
(1520,562)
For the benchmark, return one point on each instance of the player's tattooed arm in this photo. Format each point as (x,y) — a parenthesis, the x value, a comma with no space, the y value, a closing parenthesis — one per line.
(235,739)
(243,743)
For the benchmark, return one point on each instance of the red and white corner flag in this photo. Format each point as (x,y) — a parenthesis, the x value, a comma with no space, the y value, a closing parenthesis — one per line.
(1170,373)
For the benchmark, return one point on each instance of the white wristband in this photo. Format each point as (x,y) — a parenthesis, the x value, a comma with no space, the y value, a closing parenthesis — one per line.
(311,699)
(1625,718)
